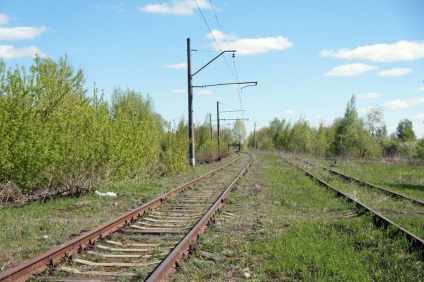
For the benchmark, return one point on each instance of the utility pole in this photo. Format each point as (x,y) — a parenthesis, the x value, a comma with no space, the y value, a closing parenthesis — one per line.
(190,106)
(190,98)
(217,120)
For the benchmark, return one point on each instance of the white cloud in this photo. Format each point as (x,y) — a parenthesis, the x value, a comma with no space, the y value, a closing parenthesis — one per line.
(421,88)
(179,8)
(10,52)
(176,66)
(204,92)
(399,51)
(403,104)
(220,36)
(419,117)
(179,91)
(350,70)
(250,46)
(395,72)
(118,7)
(19,33)
(370,95)
(288,112)
(4,19)
(396,105)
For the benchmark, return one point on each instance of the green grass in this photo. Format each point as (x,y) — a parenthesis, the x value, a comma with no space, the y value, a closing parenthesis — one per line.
(402,178)
(23,229)
(404,213)
(288,228)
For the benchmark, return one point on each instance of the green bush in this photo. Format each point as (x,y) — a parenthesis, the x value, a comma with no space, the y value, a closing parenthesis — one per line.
(52,135)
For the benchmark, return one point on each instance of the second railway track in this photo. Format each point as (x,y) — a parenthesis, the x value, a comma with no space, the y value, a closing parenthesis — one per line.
(387,207)
(144,244)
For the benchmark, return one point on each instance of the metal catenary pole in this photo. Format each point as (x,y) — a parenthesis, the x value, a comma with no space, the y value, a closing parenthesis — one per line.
(190,106)
(217,120)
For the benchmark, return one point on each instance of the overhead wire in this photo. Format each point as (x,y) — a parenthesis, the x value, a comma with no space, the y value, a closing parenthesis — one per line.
(234,73)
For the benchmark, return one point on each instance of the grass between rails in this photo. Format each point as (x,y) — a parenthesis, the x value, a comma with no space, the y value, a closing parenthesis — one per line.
(403,212)
(30,230)
(281,226)
(406,179)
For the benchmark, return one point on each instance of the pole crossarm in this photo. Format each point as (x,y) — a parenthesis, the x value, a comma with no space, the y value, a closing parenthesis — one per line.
(232,111)
(234,119)
(252,83)
(232,51)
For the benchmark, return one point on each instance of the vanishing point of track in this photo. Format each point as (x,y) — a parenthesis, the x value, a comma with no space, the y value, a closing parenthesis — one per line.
(145,243)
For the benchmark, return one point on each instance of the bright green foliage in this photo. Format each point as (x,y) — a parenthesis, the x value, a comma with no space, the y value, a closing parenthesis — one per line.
(175,149)
(206,142)
(348,136)
(41,116)
(352,138)
(320,144)
(53,135)
(300,137)
(226,138)
(261,139)
(420,149)
(136,140)
(279,131)
(405,131)
(206,150)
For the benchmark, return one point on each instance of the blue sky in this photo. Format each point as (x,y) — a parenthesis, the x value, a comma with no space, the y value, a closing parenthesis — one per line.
(308,57)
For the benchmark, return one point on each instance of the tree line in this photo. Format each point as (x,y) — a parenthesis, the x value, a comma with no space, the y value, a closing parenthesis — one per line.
(53,135)
(348,136)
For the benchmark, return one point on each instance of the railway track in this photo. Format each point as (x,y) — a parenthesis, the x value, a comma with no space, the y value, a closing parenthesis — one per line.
(143,244)
(367,184)
(404,214)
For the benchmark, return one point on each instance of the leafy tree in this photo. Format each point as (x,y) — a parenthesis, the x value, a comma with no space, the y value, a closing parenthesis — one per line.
(374,122)
(420,149)
(174,149)
(137,136)
(263,139)
(352,137)
(226,138)
(239,132)
(279,131)
(321,144)
(300,137)
(41,109)
(404,130)
(206,147)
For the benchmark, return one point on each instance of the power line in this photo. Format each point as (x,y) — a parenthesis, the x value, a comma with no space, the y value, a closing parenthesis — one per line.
(233,73)
(206,22)
(213,36)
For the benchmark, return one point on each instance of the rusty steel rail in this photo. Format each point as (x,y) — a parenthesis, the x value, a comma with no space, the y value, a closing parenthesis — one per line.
(363,183)
(40,263)
(366,184)
(183,248)
(379,220)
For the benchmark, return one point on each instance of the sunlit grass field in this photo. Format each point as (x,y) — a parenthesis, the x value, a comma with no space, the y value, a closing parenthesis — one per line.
(279,225)
(287,228)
